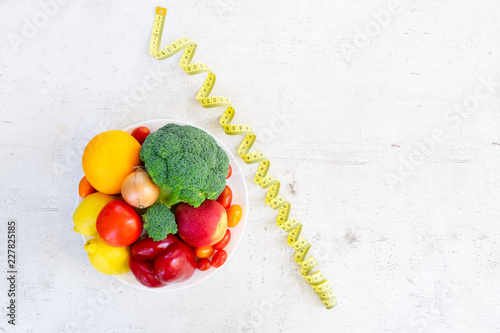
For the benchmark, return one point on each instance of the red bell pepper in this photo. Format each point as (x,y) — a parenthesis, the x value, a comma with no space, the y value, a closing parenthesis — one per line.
(156,264)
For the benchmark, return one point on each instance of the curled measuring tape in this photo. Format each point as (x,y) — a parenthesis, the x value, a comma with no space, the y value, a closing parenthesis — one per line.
(314,278)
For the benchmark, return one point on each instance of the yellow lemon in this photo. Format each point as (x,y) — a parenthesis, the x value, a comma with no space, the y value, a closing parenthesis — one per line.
(108,259)
(109,158)
(85,214)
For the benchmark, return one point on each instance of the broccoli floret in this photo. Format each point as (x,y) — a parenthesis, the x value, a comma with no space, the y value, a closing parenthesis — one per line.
(186,163)
(159,221)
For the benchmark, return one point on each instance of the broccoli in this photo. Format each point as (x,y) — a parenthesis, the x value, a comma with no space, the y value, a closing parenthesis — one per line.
(186,163)
(159,221)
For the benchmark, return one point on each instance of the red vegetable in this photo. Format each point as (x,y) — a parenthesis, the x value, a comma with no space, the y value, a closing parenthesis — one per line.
(143,271)
(118,224)
(219,258)
(230,172)
(148,249)
(226,197)
(140,134)
(224,241)
(155,264)
(175,264)
(203,264)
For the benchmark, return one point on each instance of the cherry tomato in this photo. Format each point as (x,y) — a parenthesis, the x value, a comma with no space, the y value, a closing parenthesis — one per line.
(219,258)
(84,188)
(140,134)
(226,197)
(230,172)
(234,215)
(118,224)
(203,264)
(204,252)
(223,242)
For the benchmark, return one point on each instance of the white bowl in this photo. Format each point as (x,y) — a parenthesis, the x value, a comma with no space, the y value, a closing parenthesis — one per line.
(240,197)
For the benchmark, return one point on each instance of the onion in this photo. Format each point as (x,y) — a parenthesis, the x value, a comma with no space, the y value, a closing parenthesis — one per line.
(138,190)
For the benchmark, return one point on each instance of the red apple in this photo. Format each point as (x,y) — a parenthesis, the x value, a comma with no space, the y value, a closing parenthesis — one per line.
(202,226)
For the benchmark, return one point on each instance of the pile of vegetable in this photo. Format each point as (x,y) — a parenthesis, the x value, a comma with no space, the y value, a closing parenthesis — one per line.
(156,204)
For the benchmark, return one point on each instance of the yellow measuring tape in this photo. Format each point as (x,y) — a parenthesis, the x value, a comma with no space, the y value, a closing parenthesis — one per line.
(316,280)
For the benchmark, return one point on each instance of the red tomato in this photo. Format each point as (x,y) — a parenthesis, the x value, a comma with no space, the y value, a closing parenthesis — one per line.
(224,241)
(203,264)
(118,224)
(226,197)
(230,172)
(204,252)
(219,258)
(84,188)
(234,215)
(140,134)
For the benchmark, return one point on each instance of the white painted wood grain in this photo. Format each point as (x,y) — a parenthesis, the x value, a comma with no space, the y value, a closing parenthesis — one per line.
(419,254)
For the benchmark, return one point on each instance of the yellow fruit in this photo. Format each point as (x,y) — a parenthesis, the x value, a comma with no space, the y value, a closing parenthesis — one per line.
(85,214)
(108,259)
(109,158)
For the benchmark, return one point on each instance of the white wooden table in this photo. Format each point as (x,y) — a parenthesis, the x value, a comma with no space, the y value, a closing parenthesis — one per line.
(381,120)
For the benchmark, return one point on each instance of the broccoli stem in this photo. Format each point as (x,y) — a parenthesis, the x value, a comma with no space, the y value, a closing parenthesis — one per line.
(167,198)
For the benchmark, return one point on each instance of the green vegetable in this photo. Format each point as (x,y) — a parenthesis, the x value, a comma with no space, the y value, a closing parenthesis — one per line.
(159,221)
(186,163)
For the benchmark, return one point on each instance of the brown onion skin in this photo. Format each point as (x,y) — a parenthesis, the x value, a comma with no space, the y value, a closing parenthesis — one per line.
(138,190)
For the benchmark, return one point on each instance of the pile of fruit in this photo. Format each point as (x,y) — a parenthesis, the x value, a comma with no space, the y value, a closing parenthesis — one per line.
(156,204)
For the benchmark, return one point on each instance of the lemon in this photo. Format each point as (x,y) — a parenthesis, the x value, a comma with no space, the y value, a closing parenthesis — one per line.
(108,259)
(85,214)
(109,158)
